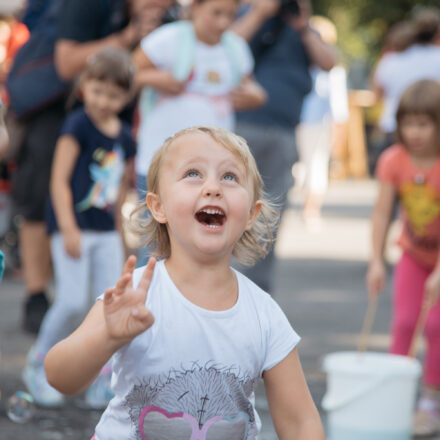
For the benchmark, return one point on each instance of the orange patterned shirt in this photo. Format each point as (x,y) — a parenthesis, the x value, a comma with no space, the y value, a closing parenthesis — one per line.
(419,196)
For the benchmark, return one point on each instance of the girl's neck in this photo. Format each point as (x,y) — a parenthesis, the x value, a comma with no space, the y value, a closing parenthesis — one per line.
(212,286)
(425,160)
(110,126)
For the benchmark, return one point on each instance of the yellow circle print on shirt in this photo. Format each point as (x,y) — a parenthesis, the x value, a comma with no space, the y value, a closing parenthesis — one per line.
(420,202)
(213,76)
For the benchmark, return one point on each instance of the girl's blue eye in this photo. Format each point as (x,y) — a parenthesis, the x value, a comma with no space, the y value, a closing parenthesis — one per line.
(229,176)
(192,173)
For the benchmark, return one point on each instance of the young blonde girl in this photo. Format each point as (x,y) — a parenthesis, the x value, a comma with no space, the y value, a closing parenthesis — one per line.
(410,170)
(88,184)
(189,335)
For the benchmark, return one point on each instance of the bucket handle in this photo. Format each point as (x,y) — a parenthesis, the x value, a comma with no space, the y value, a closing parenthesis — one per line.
(330,403)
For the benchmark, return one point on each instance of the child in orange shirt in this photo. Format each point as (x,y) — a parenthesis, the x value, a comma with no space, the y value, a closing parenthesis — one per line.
(410,170)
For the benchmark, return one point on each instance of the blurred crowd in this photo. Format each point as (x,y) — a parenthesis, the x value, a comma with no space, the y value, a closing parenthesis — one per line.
(38,91)
(267,69)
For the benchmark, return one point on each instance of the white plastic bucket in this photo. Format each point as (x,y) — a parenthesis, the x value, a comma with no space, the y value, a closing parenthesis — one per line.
(370,396)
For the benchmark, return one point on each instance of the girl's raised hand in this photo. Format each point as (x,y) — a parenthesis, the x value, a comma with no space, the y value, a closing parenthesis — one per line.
(124,306)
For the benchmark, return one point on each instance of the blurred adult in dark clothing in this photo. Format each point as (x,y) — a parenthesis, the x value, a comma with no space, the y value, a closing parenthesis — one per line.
(35,10)
(84,27)
(284,48)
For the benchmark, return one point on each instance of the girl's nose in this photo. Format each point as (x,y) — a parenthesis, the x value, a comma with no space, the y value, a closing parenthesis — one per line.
(213,193)
(212,189)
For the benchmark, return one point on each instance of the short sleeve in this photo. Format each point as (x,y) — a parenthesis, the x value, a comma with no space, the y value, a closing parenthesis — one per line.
(81,20)
(246,57)
(381,72)
(129,142)
(281,339)
(388,165)
(74,126)
(160,46)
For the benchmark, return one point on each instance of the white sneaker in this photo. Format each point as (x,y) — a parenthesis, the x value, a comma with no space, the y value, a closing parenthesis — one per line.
(35,380)
(99,393)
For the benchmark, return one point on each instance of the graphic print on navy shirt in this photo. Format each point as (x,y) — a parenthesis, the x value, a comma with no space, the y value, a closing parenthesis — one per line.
(106,178)
(200,403)
(97,174)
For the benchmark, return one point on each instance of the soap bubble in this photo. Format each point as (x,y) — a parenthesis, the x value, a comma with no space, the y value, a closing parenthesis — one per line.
(21,407)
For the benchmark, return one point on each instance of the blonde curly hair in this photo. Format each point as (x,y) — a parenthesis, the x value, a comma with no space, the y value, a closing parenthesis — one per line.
(253,243)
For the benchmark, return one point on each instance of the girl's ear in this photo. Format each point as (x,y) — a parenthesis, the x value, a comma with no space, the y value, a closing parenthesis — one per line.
(255,212)
(155,206)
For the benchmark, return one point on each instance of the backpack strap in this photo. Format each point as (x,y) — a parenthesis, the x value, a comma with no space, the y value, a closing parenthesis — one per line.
(186,43)
(147,101)
(230,42)
(186,50)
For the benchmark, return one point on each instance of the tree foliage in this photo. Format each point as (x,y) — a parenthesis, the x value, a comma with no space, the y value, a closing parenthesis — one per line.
(362,24)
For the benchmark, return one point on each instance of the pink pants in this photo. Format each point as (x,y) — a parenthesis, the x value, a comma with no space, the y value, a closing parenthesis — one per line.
(409,281)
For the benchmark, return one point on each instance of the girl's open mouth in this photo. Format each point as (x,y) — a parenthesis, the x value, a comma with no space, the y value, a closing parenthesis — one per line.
(211,217)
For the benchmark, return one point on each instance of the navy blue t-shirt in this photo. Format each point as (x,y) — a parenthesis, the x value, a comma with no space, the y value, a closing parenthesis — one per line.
(96,177)
(283,71)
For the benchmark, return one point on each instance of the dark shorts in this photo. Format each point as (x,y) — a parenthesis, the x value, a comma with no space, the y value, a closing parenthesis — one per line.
(30,182)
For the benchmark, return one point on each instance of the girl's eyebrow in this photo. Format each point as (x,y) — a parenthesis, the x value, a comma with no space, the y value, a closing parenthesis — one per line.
(202,160)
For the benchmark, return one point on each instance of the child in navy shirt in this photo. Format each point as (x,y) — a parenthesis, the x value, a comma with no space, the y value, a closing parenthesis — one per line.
(88,185)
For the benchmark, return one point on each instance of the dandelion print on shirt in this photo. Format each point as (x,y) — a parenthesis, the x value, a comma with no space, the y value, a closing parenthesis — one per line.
(107,179)
(201,403)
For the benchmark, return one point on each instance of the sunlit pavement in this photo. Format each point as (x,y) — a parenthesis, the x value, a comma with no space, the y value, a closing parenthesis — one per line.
(320,285)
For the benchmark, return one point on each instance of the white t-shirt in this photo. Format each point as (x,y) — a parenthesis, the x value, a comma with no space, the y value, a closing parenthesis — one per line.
(205,100)
(192,374)
(396,71)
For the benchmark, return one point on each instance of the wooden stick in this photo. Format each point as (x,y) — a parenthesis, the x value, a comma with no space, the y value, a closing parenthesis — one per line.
(421,322)
(368,323)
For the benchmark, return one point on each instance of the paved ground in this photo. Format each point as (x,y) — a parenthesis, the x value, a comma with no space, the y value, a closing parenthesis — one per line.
(320,286)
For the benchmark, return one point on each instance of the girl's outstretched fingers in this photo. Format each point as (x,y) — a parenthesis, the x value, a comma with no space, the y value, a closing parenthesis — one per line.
(108,295)
(129,265)
(122,284)
(147,275)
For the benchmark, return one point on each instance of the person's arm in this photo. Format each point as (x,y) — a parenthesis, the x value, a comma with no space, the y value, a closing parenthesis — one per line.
(293,411)
(83,31)
(73,364)
(148,75)
(71,56)
(320,53)
(248,95)
(250,23)
(4,137)
(380,223)
(66,154)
